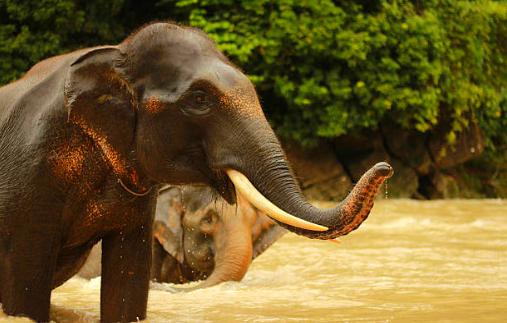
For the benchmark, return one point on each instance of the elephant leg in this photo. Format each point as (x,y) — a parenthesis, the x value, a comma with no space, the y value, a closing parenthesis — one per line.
(27,273)
(126,261)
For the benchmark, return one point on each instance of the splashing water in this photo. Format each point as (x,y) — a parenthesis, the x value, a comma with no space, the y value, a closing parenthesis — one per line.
(411,261)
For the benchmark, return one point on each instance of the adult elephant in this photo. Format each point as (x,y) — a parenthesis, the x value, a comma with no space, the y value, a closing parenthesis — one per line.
(198,236)
(87,139)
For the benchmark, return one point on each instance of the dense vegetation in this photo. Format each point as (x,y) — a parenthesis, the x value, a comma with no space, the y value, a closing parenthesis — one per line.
(323,68)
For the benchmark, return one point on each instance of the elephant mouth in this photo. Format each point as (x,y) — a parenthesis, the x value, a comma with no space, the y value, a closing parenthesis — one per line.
(249,192)
(221,182)
(214,177)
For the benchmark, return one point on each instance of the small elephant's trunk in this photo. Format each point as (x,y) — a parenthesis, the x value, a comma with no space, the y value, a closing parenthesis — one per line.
(233,256)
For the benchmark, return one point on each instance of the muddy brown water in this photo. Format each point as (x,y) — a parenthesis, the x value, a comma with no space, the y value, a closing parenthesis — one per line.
(411,261)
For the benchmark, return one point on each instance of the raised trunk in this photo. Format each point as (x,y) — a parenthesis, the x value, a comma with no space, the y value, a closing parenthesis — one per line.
(330,223)
(268,172)
(250,148)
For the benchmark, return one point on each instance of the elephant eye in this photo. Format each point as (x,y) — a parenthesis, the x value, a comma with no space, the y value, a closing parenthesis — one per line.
(201,97)
(198,103)
(208,220)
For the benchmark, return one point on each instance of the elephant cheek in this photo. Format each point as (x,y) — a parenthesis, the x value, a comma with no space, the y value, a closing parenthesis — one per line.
(199,255)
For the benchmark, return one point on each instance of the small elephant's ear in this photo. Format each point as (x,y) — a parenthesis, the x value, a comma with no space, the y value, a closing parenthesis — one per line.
(171,243)
(99,99)
(167,228)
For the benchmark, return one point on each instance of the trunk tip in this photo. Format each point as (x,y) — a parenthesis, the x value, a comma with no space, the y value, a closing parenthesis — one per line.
(383,169)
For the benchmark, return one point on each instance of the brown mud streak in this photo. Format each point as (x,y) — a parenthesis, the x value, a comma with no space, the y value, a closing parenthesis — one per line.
(67,161)
(153,105)
(95,215)
(159,232)
(111,155)
(358,206)
(243,100)
(367,193)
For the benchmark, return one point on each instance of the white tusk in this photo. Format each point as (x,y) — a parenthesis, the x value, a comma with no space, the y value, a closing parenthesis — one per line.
(247,190)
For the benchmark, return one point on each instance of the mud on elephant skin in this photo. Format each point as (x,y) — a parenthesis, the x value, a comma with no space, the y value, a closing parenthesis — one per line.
(199,236)
(88,138)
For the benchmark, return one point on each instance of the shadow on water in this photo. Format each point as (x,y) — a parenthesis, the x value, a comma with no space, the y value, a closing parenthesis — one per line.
(411,261)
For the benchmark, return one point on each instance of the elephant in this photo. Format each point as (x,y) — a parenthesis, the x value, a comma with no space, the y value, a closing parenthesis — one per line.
(88,138)
(198,236)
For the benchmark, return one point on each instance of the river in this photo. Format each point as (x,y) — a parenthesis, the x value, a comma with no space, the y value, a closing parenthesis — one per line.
(411,261)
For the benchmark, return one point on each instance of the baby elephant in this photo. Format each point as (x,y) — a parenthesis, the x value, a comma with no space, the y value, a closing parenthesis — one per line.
(199,236)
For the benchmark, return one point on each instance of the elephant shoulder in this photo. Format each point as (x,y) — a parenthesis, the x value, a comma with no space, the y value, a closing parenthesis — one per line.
(41,82)
(39,91)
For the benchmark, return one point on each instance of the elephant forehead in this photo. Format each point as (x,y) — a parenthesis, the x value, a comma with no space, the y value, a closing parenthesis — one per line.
(175,58)
(170,83)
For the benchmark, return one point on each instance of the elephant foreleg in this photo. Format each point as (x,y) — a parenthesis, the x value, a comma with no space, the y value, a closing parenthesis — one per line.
(126,260)
(27,273)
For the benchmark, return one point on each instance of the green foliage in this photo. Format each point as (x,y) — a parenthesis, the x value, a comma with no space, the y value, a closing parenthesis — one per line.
(32,30)
(323,68)
(326,69)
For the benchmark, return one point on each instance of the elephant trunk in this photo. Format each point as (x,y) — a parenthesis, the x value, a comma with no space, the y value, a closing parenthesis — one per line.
(267,182)
(233,256)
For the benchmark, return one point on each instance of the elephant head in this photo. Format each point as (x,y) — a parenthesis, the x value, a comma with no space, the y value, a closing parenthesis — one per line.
(167,107)
(197,235)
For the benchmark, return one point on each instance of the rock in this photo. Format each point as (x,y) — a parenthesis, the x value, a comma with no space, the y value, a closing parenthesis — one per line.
(468,144)
(333,189)
(409,146)
(320,174)
(405,181)
(358,154)
(453,183)
(445,186)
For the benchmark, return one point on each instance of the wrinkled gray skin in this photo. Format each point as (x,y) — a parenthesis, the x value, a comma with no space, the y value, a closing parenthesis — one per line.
(199,236)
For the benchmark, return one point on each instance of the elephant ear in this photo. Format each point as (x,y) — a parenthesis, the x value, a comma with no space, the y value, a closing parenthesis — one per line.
(265,232)
(167,228)
(99,99)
